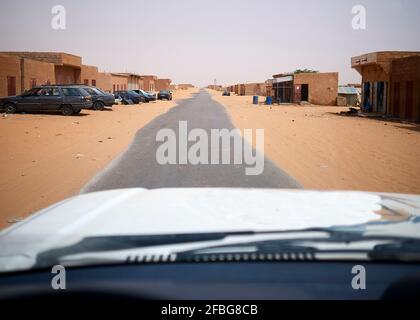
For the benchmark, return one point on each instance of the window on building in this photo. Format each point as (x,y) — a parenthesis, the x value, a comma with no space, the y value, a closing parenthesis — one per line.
(94,83)
(86,82)
(33,82)
(11,86)
(113,88)
(118,87)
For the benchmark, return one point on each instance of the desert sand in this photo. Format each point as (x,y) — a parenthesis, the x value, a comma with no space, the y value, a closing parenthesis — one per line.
(48,157)
(327,151)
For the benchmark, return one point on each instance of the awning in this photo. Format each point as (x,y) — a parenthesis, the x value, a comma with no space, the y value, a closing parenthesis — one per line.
(283,79)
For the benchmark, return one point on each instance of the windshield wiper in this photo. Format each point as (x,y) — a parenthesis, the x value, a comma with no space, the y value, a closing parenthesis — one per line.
(117,243)
(405,250)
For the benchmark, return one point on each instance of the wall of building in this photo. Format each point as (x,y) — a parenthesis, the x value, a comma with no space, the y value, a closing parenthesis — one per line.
(163,84)
(58,58)
(36,73)
(323,87)
(237,89)
(149,82)
(89,75)
(119,82)
(374,73)
(67,75)
(9,67)
(253,89)
(184,86)
(405,88)
(104,81)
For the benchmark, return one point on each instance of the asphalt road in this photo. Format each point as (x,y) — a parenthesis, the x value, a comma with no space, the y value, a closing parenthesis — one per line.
(137,166)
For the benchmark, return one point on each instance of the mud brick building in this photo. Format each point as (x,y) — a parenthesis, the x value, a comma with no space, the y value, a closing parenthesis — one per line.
(149,82)
(390,83)
(315,88)
(253,89)
(163,84)
(185,86)
(21,71)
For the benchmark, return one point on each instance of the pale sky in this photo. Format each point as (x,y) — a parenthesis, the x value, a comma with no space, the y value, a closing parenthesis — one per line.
(197,41)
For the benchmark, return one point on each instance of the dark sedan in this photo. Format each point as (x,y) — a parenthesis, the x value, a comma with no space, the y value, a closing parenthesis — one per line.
(130,95)
(66,99)
(147,96)
(164,95)
(100,99)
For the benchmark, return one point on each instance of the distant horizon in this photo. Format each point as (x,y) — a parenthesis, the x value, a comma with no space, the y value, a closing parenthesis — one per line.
(195,41)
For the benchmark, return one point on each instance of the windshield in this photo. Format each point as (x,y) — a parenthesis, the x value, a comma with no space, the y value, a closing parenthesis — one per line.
(93,91)
(133,92)
(269,128)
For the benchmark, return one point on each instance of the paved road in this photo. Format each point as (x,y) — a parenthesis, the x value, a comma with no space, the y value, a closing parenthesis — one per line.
(137,167)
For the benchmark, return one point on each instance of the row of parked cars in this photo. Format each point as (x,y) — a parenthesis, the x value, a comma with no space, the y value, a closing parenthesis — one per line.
(71,99)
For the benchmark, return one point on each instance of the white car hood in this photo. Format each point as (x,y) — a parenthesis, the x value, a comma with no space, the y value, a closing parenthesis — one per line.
(175,211)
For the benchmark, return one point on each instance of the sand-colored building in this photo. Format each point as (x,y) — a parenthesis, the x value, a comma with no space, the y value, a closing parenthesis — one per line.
(390,83)
(163,84)
(185,86)
(21,71)
(315,88)
(149,82)
(253,89)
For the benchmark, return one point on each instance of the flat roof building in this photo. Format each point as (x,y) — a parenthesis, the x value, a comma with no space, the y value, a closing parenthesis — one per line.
(390,83)
(21,71)
(163,84)
(149,82)
(315,88)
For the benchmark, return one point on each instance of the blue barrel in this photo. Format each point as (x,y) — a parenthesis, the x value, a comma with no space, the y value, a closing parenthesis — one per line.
(255,100)
(269,101)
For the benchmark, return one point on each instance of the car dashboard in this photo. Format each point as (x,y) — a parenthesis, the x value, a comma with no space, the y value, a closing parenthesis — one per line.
(221,281)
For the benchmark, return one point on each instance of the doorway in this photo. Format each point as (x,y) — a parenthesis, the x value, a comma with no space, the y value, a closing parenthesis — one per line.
(11,86)
(305,92)
(380,97)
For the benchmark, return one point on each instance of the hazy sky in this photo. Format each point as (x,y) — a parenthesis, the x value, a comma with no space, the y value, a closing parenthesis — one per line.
(197,41)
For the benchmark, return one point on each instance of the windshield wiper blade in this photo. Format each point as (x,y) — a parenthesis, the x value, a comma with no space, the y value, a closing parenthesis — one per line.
(247,251)
(403,250)
(114,243)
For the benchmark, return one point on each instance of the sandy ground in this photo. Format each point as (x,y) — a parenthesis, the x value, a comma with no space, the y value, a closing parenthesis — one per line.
(48,157)
(324,150)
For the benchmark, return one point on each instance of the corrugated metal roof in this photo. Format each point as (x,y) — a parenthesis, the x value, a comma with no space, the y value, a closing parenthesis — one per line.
(347,90)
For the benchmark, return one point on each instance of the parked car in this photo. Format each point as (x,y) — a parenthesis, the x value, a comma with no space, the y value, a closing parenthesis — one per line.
(100,99)
(67,99)
(130,95)
(164,94)
(146,95)
(226,93)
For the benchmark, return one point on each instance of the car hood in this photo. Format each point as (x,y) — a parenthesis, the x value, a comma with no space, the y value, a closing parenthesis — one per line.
(180,211)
